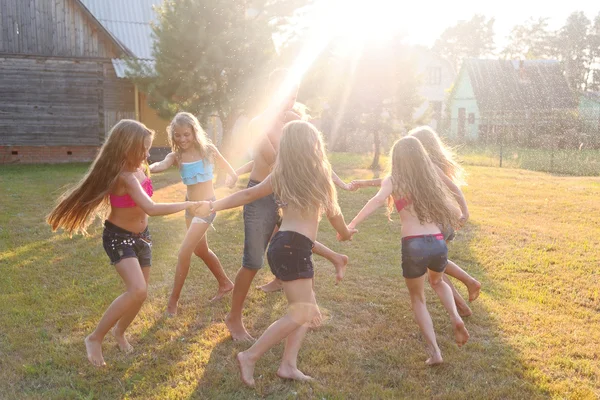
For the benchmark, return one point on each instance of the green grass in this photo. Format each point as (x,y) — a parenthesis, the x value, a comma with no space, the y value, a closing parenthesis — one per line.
(567,162)
(532,241)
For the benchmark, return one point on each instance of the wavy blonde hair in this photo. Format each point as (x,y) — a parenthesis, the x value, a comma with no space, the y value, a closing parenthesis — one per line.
(301,176)
(201,142)
(414,177)
(123,150)
(440,154)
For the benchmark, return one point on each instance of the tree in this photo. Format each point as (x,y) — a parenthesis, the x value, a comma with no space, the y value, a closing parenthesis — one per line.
(593,80)
(209,56)
(532,40)
(473,38)
(571,45)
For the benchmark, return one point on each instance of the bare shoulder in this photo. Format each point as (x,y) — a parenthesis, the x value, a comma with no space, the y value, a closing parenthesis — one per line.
(291,116)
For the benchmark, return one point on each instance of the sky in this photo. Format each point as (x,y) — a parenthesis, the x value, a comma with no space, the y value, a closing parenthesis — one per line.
(424,20)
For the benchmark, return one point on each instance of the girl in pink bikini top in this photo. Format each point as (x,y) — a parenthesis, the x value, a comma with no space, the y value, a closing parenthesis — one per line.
(125,201)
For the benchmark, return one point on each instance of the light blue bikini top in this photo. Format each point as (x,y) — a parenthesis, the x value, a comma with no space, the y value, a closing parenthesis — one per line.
(196,172)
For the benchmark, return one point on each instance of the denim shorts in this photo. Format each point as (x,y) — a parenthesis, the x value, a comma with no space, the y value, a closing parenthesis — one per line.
(290,256)
(260,219)
(423,252)
(120,243)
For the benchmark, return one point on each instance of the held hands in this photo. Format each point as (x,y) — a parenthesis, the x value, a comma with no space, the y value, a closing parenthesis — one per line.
(230,181)
(350,231)
(200,208)
(356,184)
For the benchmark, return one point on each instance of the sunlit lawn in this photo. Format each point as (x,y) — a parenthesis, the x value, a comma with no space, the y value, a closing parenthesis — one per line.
(532,240)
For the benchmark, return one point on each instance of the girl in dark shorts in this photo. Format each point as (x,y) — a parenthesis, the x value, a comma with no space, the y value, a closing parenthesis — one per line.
(424,203)
(301,182)
(118,181)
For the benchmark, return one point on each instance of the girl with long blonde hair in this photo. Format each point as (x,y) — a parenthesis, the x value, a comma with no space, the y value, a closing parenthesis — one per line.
(195,156)
(424,203)
(117,183)
(453,176)
(301,182)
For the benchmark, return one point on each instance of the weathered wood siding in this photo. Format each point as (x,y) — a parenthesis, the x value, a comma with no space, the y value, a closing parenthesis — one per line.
(119,98)
(58,28)
(51,102)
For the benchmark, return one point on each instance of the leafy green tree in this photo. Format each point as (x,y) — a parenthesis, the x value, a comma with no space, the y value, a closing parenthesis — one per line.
(532,40)
(472,38)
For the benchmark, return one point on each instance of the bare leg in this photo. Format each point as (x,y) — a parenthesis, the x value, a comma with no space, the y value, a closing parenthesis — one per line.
(301,310)
(131,273)
(461,305)
(473,286)
(339,261)
(445,294)
(192,238)
(119,330)
(234,323)
(416,291)
(214,265)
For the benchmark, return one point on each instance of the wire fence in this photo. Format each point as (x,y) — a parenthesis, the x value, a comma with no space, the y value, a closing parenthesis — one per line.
(549,146)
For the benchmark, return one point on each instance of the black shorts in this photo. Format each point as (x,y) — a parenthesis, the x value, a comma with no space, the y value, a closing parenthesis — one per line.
(423,252)
(290,256)
(120,243)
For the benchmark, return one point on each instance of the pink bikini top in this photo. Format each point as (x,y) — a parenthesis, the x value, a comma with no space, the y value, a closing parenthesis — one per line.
(401,203)
(126,201)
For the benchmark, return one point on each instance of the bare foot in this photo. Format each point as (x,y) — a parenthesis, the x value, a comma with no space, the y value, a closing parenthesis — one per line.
(316,321)
(124,345)
(288,372)
(237,330)
(463,309)
(474,288)
(461,335)
(172,308)
(273,286)
(223,290)
(94,352)
(340,265)
(435,356)
(246,369)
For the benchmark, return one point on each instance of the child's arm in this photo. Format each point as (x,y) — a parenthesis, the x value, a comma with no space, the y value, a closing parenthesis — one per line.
(141,198)
(339,182)
(361,183)
(458,195)
(245,169)
(164,164)
(344,232)
(377,201)
(223,163)
(237,199)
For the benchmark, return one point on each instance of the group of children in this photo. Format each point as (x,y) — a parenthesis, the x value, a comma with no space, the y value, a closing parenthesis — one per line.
(291,185)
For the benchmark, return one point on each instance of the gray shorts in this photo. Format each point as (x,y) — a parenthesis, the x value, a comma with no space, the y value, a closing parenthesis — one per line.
(260,219)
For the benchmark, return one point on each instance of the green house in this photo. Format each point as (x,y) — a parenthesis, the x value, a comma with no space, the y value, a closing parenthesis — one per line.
(516,98)
(589,113)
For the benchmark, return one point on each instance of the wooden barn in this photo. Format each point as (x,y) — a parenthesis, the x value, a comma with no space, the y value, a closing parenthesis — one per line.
(62,75)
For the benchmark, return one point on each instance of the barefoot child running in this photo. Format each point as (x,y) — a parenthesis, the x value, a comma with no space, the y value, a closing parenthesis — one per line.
(195,156)
(117,180)
(301,181)
(424,204)
(452,175)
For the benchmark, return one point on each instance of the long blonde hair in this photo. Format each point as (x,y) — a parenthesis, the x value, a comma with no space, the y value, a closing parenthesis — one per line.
(201,141)
(440,154)
(123,150)
(301,176)
(414,177)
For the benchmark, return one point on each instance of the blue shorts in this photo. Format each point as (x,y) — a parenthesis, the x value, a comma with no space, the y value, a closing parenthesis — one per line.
(119,243)
(260,220)
(423,252)
(290,256)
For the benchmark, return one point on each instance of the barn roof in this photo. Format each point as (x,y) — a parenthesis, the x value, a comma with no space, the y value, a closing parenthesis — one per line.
(519,84)
(128,22)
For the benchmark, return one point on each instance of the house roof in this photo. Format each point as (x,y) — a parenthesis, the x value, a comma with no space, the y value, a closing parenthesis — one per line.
(128,22)
(516,85)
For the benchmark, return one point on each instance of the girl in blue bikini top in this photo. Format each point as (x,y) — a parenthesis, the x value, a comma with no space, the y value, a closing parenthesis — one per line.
(195,156)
